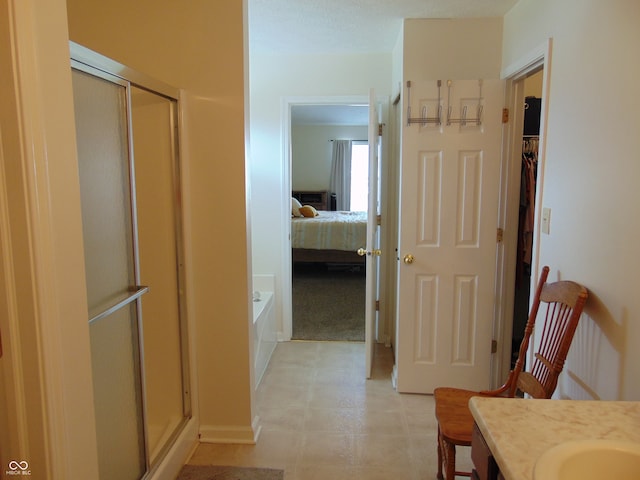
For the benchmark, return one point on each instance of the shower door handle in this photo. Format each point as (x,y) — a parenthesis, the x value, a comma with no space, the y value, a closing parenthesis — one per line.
(136,292)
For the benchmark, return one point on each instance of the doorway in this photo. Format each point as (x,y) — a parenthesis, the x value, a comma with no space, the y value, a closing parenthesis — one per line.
(532,85)
(327,277)
(527,77)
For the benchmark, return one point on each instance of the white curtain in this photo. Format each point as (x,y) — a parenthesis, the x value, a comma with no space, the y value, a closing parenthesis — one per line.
(341,173)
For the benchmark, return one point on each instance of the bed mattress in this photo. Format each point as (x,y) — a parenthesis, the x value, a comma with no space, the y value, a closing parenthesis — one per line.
(330,231)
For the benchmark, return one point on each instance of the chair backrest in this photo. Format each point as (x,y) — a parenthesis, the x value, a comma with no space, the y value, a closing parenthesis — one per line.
(563,302)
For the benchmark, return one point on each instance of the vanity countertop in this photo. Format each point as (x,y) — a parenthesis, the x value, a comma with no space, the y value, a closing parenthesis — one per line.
(518,431)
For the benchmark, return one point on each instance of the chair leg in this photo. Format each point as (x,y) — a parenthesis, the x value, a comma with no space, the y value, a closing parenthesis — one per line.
(446,457)
(450,459)
(440,459)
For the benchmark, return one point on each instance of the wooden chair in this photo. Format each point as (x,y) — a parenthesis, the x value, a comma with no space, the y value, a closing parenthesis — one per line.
(564,303)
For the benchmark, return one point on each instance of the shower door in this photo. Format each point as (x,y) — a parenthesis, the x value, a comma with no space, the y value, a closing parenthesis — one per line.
(113,290)
(154,126)
(133,263)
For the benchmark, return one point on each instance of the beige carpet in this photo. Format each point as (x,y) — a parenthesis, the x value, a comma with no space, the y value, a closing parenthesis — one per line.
(328,302)
(216,472)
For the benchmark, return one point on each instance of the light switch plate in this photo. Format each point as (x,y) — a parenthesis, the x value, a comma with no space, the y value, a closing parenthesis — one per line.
(546,220)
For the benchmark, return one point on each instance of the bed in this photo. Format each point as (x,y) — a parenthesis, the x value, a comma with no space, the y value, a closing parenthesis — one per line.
(330,237)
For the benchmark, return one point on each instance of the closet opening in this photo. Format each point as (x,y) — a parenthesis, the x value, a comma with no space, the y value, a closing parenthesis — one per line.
(527,206)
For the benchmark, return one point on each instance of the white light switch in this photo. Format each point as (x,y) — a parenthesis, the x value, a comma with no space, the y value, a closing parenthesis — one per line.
(546,220)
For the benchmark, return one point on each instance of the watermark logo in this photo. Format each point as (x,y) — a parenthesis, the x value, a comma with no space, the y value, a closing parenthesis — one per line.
(18,468)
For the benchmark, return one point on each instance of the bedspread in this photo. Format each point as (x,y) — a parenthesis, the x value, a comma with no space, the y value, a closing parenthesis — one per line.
(330,231)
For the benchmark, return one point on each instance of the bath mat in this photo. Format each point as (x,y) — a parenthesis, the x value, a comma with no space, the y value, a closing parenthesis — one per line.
(216,472)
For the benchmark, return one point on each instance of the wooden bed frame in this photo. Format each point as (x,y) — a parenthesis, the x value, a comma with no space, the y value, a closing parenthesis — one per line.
(325,256)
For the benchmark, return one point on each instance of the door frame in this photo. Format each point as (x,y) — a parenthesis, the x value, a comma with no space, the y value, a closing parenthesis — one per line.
(287,281)
(514,74)
(45,333)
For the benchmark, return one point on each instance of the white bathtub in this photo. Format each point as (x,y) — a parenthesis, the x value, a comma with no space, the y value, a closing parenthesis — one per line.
(264,332)
(261,301)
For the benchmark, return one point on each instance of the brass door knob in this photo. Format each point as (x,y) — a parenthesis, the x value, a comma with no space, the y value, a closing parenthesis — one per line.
(408,259)
(362,252)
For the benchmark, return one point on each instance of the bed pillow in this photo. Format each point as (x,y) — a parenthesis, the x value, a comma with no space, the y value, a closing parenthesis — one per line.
(295,207)
(308,211)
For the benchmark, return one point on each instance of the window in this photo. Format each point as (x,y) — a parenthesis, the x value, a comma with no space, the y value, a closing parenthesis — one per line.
(359,176)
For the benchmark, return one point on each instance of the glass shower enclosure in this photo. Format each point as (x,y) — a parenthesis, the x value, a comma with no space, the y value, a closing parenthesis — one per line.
(127,141)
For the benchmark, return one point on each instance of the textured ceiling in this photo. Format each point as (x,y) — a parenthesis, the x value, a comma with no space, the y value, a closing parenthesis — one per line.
(349,26)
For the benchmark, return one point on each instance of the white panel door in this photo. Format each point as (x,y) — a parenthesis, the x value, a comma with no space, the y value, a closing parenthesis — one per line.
(372,261)
(448,219)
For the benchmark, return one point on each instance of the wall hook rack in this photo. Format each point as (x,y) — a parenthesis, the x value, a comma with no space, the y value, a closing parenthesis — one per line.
(423,119)
(463,120)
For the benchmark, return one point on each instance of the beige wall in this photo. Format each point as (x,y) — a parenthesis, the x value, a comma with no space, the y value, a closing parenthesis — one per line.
(462,49)
(198,46)
(311,153)
(591,177)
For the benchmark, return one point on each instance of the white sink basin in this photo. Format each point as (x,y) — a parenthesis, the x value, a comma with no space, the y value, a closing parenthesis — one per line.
(589,460)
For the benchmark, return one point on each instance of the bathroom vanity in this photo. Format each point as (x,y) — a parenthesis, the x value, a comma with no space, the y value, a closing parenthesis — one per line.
(511,434)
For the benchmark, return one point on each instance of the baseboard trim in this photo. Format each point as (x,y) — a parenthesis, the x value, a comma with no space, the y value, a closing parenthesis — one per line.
(231,434)
(394,377)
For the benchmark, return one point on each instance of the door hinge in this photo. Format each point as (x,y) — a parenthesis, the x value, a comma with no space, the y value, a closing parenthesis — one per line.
(499,235)
(377,305)
(494,346)
(505,115)
(380,125)
(379,220)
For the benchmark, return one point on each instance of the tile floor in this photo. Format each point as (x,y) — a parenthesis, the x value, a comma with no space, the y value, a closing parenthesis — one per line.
(321,419)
